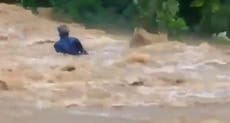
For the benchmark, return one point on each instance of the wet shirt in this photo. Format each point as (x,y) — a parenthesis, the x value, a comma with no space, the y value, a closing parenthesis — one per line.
(69,45)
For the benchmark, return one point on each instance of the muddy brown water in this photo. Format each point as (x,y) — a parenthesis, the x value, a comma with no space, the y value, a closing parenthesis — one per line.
(100,87)
(164,82)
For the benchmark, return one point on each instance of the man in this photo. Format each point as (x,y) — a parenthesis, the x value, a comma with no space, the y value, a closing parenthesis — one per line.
(68,45)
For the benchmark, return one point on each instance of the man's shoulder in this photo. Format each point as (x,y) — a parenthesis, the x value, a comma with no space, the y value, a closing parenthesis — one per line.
(58,42)
(73,39)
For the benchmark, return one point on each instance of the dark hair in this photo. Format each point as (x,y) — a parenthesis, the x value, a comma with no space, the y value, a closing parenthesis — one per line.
(63,30)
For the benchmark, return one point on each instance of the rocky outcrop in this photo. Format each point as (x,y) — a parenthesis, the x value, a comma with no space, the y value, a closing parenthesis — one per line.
(141,38)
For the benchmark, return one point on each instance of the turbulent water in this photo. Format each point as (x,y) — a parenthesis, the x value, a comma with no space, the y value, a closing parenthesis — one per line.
(134,81)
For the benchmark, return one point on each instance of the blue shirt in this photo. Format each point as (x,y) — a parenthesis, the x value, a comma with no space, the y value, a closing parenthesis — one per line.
(69,45)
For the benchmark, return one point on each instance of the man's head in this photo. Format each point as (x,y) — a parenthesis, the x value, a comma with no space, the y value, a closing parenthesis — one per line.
(63,30)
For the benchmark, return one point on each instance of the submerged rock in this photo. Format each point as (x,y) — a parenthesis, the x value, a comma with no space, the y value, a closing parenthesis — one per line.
(137,83)
(134,81)
(3,85)
(173,79)
(69,68)
(3,37)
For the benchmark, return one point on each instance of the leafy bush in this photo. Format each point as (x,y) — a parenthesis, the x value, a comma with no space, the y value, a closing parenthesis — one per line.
(215,15)
(33,4)
(173,16)
(162,15)
(77,9)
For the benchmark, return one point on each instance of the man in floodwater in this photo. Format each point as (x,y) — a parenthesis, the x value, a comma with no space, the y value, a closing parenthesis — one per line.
(68,45)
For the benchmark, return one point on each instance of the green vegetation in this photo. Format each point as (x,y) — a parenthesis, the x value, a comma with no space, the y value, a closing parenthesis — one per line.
(172,16)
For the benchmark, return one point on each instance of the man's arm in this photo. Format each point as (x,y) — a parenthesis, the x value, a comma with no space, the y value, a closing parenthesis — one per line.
(58,48)
(80,47)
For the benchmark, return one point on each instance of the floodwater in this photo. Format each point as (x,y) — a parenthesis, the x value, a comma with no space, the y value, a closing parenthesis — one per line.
(164,82)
